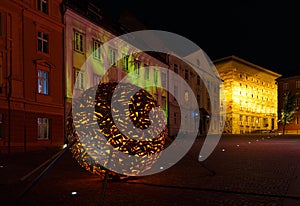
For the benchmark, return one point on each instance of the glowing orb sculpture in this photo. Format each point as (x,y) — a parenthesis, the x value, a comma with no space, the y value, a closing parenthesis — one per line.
(141,104)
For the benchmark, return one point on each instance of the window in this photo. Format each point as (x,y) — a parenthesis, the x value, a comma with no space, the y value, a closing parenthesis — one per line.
(285,86)
(164,103)
(43,6)
(112,57)
(297,120)
(137,66)
(147,73)
(297,84)
(163,80)
(43,82)
(176,68)
(78,41)
(96,79)
(43,128)
(198,80)
(175,92)
(186,74)
(78,79)
(125,62)
(186,96)
(241,119)
(155,76)
(298,102)
(43,44)
(96,49)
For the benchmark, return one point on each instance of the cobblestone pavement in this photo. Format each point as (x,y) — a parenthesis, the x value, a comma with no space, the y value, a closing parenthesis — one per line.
(249,170)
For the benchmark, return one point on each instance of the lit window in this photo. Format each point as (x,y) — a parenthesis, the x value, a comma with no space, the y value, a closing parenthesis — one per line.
(155,76)
(125,62)
(297,84)
(112,57)
(43,44)
(78,79)
(96,50)
(137,66)
(164,103)
(43,6)
(147,73)
(43,81)
(78,41)
(298,120)
(43,128)
(186,96)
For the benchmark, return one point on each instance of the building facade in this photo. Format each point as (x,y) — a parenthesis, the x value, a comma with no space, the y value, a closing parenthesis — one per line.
(251,96)
(289,84)
(31,75)
(200,85)
(89,59)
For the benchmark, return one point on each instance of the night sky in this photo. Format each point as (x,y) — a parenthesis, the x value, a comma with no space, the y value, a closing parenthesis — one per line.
(266,34)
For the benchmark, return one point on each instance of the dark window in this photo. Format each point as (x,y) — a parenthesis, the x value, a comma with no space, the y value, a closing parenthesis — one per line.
(43,6)
(43,42)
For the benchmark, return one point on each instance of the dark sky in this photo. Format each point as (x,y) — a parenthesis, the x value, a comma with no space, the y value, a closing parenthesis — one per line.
(266,34)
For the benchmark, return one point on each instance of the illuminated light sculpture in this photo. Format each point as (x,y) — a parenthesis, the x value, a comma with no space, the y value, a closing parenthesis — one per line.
(140,105)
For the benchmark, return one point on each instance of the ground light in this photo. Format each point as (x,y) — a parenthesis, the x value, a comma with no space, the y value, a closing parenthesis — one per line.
(140,104)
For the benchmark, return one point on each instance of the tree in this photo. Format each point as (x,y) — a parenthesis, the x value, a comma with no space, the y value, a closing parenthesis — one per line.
(288,110)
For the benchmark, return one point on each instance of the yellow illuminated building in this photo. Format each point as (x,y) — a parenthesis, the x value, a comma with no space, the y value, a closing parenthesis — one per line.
(251,96)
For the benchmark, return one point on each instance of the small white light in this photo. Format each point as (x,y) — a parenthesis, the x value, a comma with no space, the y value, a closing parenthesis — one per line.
(238,145)
(64,146)
(1,166)
(161,168)
(74,193)
(257,140)
(249,142)
(200,156)
(269,137)
(223,150)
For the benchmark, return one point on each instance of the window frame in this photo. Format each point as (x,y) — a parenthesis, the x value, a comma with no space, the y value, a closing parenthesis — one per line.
(78,47)
(42,79)
(78,84)
(96,49)
(112,56)
(40,7)
(42,126)
(44,42)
